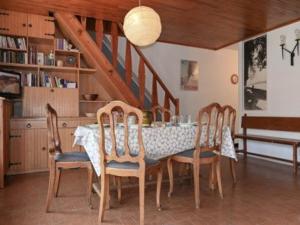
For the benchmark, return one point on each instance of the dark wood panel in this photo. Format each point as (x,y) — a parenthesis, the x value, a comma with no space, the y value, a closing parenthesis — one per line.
(202,23)
(272,123)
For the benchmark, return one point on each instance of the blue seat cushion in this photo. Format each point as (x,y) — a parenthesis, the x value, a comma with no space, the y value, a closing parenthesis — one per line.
(189,153)
(130,165)
(72,157)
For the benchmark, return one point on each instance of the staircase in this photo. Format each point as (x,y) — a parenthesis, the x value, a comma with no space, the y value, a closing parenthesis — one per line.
(117,78)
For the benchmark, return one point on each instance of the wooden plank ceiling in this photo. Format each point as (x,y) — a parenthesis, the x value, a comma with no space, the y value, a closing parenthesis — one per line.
(210,24)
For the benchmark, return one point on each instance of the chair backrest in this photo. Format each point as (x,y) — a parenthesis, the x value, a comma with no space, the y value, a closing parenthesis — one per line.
(106,113)
(229,115)
(54,143)
(210,120)
(162,111)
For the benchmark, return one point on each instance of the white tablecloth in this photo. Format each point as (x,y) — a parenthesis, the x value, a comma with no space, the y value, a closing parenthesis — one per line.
(159,142)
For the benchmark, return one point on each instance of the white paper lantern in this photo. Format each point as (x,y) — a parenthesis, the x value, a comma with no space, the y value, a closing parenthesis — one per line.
(142,26)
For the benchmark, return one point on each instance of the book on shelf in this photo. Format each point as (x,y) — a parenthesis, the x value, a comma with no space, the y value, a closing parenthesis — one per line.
(45,80)
(12,42)
(63,44)
(7,56)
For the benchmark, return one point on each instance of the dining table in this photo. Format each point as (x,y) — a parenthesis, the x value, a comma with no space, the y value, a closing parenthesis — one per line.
(159,142)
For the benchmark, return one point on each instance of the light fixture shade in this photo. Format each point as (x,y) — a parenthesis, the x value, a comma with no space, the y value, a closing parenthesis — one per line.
(142,26)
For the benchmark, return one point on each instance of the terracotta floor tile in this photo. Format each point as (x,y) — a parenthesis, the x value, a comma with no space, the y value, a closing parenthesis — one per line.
(266,194)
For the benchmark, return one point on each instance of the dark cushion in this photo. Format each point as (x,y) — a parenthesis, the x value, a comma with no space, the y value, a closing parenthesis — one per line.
(189,153)
(130,165)
(72,157)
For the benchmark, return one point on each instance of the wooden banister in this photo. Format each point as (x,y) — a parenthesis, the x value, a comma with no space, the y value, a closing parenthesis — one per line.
(128,64)
(142,77)
(154,93)
(99,33)
(167,106)
(83,21)
(114,43)
(156,79)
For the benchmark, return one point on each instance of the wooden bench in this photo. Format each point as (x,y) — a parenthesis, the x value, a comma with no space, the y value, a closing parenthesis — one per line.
(290,124)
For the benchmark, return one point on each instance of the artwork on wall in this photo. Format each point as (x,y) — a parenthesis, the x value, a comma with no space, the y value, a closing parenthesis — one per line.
(255,74)
(189,75)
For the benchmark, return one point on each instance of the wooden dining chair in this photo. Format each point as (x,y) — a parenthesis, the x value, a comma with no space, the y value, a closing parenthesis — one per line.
(210,121)
(229,114)
(163,112)
(59,160)
(122,161)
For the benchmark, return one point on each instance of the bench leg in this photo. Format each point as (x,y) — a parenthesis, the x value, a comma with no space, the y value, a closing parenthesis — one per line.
(295,159)
(245,148)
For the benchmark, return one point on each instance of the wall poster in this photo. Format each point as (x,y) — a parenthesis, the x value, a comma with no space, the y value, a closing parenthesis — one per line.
(189,75)
(255,74)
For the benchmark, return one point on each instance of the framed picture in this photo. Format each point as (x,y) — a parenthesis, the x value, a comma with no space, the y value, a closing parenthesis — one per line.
(255,74)
(189,75)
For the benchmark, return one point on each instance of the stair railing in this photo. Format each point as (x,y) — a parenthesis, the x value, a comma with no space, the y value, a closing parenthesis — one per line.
(116,30)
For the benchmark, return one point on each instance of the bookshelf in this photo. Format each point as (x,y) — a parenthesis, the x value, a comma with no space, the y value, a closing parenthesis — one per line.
(27,120)
(53,57)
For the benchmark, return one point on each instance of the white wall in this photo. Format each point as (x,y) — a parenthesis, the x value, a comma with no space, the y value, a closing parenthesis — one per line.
(216,67)
(283,89)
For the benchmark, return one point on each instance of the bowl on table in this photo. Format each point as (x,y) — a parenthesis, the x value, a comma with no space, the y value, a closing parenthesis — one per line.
(90,97)
(90,114)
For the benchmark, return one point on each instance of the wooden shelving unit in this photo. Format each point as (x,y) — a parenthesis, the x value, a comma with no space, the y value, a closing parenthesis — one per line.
(13,49)
(49,68)
(28,142)
(66,52)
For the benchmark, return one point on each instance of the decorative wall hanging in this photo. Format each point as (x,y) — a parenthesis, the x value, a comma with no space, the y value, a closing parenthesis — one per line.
(189,75)
(292,52)
(255,74)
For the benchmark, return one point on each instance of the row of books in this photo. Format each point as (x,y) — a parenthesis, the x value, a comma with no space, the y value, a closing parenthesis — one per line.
(35,57)
(62,44)
(13,57)
(12,42)
(45,80)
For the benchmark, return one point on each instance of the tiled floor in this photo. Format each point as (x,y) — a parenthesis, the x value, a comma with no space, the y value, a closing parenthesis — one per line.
(266,194)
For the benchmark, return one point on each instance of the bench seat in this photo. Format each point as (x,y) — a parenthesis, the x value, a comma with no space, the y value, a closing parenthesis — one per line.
(277,140)
(288,124)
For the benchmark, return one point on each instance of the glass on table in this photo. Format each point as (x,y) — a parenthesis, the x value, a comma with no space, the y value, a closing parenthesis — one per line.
(174,120)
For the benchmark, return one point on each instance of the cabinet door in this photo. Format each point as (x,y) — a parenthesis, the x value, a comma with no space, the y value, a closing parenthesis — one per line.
(64,101)
(16,151)
(41,150)
(13,23)
(34,101)
(29,146)
(67,140)
(41,26)
(36,156)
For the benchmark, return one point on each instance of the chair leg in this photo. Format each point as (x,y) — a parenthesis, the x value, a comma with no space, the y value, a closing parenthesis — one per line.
(232,169)
(142,197)
(103,194)
(212,177)
(51,185)
(158,187)
(119,189)
(90,185)
(218,169)
(57,181)
(171,179)
(196,169)
(108,193)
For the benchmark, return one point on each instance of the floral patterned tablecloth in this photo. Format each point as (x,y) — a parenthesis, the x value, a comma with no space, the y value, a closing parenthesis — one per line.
(159,142)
